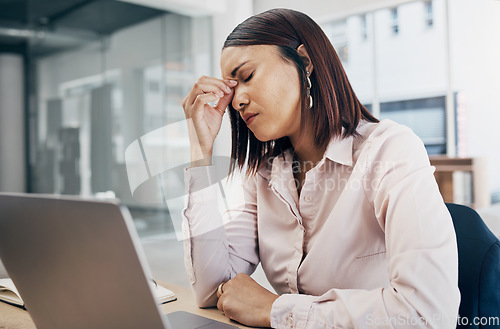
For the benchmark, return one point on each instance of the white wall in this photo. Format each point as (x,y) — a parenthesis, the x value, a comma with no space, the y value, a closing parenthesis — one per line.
(475,46)
(411,64)
(359,67)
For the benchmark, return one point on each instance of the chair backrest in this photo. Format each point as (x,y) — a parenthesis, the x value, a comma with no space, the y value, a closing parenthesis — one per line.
(478,269)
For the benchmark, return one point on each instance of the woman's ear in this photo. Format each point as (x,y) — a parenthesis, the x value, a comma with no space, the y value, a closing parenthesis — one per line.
(305,57)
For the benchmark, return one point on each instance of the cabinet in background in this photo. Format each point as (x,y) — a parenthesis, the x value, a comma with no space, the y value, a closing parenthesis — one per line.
(462,180)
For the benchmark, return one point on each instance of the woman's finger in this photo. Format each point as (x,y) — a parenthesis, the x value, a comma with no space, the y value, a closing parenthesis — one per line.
(224,101)
(220,289)
(220,304)
(224,85)
(209,85)
(201,89)
(204,99)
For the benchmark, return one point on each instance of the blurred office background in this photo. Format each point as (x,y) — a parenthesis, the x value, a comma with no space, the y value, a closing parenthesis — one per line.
(82,80)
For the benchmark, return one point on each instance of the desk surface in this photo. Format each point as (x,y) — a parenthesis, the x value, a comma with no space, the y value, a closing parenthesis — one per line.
(12,317)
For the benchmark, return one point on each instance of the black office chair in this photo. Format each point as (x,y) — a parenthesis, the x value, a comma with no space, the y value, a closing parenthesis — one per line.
(478,269)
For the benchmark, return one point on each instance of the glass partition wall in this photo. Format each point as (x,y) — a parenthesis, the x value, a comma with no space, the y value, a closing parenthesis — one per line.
(91,101)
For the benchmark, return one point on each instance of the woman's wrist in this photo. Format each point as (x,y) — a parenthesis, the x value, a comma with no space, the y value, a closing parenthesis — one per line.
(269,314)
(201,155)
(199,159)
(201,163)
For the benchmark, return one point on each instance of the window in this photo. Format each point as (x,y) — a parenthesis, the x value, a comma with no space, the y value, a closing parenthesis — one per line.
(369,107)
(364,28)
(394,21)
(426,117)
(429,14)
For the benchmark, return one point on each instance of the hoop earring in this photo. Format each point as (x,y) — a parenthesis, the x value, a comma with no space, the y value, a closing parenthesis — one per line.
(309,97)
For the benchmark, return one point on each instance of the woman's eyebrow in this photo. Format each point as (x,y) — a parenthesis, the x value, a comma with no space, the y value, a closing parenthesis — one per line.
(233,72)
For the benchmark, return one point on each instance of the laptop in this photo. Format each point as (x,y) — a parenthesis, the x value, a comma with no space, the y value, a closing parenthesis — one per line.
(79,264)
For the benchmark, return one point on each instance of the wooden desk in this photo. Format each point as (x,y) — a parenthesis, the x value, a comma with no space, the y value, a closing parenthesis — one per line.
(12,317)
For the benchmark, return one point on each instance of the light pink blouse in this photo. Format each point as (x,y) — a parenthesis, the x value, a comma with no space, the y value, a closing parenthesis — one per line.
(369,243)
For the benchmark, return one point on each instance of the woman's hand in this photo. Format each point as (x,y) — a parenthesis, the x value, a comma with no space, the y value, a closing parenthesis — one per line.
(204,121)
(247,302)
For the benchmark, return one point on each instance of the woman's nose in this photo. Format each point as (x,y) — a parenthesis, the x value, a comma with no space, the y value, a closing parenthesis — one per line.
(240,100)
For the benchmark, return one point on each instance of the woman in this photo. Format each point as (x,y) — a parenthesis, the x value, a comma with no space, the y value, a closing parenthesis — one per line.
(341,210)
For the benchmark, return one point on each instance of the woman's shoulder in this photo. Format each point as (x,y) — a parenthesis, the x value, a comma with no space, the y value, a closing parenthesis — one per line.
(386,134)
(391,142)
(383,129)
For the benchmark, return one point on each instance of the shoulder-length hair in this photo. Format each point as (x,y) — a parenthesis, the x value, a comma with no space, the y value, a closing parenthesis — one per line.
(335,103)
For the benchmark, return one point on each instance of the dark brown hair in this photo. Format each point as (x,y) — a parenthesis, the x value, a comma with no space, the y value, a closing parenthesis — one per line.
(335,103)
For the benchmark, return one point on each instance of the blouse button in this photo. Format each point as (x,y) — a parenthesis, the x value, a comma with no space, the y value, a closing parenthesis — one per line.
(290,321)
(308,198)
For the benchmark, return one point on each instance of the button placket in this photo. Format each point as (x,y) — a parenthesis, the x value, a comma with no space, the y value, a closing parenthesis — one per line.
(308,189)
(295,261)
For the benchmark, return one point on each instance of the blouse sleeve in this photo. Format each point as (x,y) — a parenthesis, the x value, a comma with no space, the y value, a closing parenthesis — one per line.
(217,246)
(421,250)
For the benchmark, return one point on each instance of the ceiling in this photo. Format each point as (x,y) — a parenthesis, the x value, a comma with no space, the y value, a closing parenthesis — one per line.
(45,26)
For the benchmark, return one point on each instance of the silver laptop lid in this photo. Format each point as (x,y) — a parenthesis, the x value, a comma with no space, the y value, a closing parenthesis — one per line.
(77,264)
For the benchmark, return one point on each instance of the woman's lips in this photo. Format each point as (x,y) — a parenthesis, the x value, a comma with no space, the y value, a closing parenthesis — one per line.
(251,119)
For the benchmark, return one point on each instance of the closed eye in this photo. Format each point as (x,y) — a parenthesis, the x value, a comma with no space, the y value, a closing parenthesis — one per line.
(249,77)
